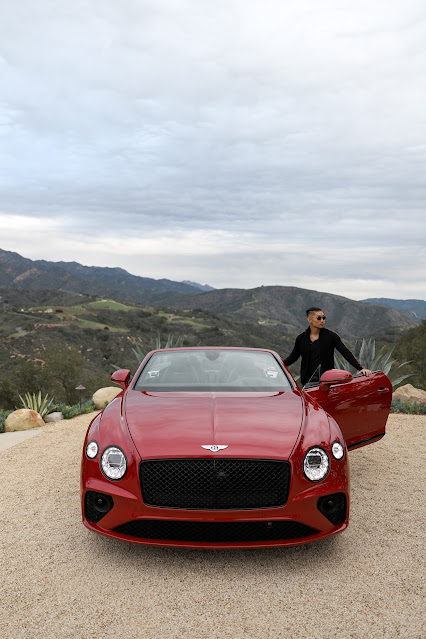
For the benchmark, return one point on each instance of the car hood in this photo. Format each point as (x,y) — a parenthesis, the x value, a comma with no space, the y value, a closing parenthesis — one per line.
(257,425)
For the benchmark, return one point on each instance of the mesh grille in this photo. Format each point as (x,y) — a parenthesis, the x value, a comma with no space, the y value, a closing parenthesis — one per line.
(211,484)
(215,531)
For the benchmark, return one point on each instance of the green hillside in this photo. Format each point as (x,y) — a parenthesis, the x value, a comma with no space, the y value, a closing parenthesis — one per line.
(287,305)
(103,332)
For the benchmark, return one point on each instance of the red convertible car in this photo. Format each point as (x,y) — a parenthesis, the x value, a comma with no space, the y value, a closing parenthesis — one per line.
(218,448)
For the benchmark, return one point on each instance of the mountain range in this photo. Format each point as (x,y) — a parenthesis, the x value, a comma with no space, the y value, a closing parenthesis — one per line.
(20,272)
(265,305)
(415,309)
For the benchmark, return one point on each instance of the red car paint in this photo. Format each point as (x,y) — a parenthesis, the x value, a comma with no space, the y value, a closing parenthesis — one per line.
(262,425)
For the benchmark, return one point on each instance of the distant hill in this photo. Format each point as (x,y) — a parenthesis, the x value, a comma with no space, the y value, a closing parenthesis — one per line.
(287,305)
(264,306)
(202,287)
(19,272)
(415,309)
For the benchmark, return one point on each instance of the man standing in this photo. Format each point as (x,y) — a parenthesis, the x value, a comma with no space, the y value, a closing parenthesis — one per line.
(316,348)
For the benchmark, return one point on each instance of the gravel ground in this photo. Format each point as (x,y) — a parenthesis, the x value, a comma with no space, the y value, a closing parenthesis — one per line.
(60,580)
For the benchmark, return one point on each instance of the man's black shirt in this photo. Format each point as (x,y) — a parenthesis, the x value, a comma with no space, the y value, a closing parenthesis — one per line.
(327,342)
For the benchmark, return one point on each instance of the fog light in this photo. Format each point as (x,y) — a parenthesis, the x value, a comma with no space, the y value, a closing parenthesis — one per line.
(97,505)
(329,506)
(333,507)
(101,504)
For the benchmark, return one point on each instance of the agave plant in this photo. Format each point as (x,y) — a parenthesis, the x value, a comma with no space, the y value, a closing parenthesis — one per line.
(155,344)
(172,342)
(40,404)
(365,352)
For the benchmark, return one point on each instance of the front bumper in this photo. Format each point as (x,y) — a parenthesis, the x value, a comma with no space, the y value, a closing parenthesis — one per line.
(308,515)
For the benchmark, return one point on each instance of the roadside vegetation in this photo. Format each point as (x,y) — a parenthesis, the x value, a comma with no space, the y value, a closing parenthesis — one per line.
(68,412)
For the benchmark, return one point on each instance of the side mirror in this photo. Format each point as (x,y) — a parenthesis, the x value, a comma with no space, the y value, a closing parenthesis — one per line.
(121,377)
(334,376)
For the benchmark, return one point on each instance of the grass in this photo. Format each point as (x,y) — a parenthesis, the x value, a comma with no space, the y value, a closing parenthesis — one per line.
(114,306)
(98,326)
(190,322)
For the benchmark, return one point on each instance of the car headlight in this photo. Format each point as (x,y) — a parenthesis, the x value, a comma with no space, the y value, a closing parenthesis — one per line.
(92,449)
(337,450)
(316,464)
(113,463)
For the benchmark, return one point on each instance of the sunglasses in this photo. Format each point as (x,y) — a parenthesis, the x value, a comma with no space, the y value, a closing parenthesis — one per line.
(320,317)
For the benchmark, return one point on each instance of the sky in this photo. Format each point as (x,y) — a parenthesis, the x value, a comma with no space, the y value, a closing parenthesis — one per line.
(232,143)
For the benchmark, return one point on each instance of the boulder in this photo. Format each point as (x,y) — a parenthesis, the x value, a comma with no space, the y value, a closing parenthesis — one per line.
(53,417)
(104,396)
(22,419)
(408,393)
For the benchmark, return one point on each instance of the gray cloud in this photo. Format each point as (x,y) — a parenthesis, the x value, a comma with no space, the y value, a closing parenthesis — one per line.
(263,134)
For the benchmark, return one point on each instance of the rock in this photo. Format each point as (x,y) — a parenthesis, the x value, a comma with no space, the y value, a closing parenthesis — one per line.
(104,396)
(408,393)
(53,417)
(22,419)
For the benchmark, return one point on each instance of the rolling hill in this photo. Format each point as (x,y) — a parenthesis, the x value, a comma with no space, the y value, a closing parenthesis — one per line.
(21,273)
(415,309)
(264,306)
(286,305)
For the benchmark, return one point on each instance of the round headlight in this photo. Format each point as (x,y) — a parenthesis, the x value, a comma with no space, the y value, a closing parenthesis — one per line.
(337,450)
(316,464)
(92,449)
(113,463)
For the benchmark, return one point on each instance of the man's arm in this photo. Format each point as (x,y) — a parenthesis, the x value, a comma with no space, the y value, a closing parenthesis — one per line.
(294,355)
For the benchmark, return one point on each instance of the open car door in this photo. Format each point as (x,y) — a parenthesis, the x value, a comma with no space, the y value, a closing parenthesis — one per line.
(360,405)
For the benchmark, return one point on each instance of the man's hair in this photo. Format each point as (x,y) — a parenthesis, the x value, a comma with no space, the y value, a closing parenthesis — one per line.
(312,310)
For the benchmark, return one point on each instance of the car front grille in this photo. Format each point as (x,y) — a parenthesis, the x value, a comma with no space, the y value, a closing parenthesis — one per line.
(214,484)
(215,531)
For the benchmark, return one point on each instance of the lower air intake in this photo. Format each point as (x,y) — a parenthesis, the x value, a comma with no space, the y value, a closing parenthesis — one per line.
(215,531)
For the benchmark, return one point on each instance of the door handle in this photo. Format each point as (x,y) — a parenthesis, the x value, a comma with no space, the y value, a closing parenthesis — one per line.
(383,390)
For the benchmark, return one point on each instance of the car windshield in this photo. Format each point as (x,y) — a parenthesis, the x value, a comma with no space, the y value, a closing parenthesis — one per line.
(212,370)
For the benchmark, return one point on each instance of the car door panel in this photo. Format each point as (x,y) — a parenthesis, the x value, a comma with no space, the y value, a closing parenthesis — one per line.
(360,407)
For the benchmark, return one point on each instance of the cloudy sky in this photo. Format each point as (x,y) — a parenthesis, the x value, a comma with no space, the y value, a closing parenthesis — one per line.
(235,143)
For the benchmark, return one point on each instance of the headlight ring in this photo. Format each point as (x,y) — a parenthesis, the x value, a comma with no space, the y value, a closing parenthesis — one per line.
(316,464)
(113,463)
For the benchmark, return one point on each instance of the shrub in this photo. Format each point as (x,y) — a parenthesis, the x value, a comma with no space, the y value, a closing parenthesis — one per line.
(73,411)
(3,415)
(398,406)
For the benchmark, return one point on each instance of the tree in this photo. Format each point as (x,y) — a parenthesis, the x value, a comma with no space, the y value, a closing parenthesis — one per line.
(63,370)
(412,346)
